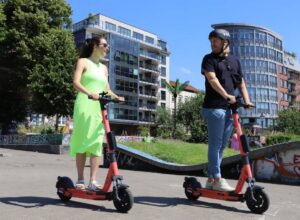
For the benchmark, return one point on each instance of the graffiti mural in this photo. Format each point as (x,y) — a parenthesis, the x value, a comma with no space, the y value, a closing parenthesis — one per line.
(283,166)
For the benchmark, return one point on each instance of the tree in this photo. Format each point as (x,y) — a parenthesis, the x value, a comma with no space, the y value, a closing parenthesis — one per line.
(175,90)
(163,122)
(28,25)
(50,80)
(189,115)
(288,121)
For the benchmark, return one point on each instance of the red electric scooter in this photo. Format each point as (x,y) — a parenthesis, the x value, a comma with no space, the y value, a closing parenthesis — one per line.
(256,199)
(120,194)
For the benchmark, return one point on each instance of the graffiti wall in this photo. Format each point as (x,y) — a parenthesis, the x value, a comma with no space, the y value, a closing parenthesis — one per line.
(283,166)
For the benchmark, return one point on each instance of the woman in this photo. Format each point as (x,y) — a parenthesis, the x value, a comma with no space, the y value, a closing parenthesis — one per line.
(90,78)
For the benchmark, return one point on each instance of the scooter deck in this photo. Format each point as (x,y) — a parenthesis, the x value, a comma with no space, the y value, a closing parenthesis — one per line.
(89,194)
(214,194)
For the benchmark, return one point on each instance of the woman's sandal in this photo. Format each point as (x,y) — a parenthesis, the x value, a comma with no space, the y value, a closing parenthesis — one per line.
(80,185)
(94,186)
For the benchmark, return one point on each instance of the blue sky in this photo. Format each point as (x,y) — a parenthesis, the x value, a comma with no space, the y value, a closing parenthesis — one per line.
(185,25)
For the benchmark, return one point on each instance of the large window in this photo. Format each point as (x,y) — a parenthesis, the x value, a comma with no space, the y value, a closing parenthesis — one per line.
(149,40)
(272,68)
(138,36)
(121,56)
(110,26)
(126,71)
(123,85)
(124,31)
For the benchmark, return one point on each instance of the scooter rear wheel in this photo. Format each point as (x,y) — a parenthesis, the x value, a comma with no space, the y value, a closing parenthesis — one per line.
(62,184)
(261,202)
(190,185)
(126,200)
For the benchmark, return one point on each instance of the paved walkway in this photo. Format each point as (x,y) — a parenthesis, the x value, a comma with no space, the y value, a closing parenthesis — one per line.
(27,181)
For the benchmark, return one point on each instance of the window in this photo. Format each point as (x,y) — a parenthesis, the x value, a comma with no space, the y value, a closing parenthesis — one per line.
(149,40)
(163,95)
(124,31)
(163,83)
(110,26)
(163,71)
(163,105)
(163,60)
(138,36)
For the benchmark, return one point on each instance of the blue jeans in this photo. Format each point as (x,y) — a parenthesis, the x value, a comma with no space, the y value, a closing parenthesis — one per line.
(219,124)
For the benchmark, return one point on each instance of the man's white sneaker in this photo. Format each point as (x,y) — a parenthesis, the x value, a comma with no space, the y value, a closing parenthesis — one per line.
(222,185)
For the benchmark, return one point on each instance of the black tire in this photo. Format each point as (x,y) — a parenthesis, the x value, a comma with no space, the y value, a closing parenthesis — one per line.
(261,204)
(190,185)
(62,184)
(126,200)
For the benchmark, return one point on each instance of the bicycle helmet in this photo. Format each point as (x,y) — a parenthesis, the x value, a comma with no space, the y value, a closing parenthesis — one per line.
(219,33)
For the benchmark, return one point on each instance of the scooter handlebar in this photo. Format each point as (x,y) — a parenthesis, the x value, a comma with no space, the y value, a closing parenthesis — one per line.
(240,103)
(103,97)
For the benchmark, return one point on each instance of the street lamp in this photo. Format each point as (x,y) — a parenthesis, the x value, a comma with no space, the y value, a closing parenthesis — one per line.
(262,116)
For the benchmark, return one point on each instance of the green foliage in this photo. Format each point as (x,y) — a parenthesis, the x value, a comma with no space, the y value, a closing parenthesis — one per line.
(163,123)
(189,115)
(288,121)
(50,80)
(277,138)
(33,39)
(143,131)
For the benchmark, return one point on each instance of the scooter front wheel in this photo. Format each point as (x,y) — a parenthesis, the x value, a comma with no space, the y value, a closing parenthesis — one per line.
(125,201)
(260,203)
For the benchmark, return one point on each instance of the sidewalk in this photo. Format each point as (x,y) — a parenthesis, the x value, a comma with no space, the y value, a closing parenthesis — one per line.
(28,192)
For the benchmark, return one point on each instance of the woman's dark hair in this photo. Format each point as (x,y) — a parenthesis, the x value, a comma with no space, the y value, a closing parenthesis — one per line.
(88,46)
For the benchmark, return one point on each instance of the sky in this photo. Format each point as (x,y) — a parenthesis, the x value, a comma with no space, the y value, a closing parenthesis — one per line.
(185,25)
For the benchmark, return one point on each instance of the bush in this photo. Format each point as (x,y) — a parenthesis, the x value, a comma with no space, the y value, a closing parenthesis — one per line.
(278,138)
(143,131)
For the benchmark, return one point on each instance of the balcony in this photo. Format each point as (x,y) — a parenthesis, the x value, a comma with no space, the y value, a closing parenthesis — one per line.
(149,80)
(293,92)
(147,107)
(150,67)
(148,94)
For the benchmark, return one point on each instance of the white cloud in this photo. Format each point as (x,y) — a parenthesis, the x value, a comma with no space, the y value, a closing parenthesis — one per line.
(185,70)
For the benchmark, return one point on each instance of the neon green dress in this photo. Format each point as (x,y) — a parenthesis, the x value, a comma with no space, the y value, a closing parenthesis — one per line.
(88,131)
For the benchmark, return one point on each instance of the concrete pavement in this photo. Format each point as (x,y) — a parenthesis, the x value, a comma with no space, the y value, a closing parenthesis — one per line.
(28,192)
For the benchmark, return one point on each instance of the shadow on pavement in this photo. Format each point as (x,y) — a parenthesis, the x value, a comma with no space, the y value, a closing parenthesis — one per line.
(34,202)
(174,201)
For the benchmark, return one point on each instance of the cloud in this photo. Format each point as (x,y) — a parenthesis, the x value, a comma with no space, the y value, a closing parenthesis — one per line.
(185,70)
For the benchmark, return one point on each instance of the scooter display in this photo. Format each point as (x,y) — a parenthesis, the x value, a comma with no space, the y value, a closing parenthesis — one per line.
(120,193)
(256,199)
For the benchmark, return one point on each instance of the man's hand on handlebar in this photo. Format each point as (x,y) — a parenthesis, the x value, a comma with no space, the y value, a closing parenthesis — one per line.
(231,99)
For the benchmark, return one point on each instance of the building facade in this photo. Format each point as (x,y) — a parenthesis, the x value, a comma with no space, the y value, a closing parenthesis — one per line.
(292,70)
(262,57)
(138,64)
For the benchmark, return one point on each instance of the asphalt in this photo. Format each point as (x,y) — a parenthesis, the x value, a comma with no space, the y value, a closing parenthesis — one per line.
(28,192)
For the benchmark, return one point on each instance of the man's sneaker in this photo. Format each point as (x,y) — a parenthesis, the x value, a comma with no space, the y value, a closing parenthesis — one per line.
(222,185)
(209,185)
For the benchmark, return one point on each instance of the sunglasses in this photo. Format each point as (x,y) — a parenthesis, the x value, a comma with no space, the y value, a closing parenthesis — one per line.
(104,45)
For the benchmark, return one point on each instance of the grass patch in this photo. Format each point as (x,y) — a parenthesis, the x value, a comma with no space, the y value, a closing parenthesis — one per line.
(176,151)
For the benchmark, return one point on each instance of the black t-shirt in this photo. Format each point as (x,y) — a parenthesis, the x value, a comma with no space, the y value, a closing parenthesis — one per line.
(228,71)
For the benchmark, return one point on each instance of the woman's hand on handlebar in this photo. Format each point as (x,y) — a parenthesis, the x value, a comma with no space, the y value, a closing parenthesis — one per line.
(93,96)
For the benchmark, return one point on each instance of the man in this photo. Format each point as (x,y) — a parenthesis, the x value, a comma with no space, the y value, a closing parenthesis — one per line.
(222,76)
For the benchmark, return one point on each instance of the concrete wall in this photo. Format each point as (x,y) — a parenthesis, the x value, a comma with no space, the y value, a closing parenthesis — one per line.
(282,166)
